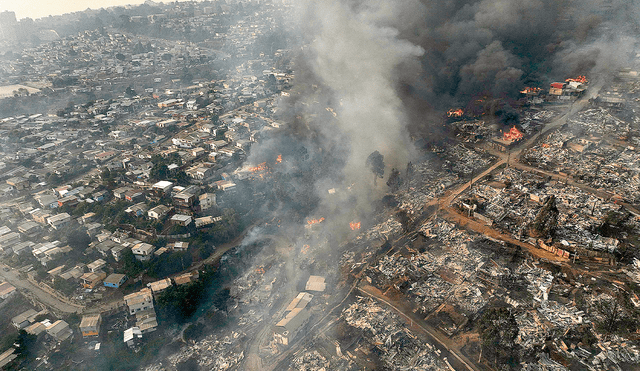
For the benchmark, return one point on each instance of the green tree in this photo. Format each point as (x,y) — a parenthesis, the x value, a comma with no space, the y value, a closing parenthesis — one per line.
(498,330)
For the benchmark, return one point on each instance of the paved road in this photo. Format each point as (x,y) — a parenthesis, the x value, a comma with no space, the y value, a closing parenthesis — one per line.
(13,277)
(577,106)
(418,323)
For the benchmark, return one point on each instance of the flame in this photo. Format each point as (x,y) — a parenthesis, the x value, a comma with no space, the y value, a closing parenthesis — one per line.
(315,221)
(279,159)
(513,134)
(260,167)
(332,111)
(530,90)
(354,225)
(260,270)
(455,113)
(305,248)
(580,79)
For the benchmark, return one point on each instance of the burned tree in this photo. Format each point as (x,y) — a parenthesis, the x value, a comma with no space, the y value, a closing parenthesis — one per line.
(545,223)
(375,161)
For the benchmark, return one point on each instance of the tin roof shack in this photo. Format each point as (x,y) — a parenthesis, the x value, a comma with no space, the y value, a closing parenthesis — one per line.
(60,330)
(92,279)
(6,290)
(59,221)
(181,219)
(143,251)
(90,325)
(97,265)
(115,280)
(158,212)
(131,336)
(297,316)
(7,356)
(159,286)
(139,301)
(316,283)
(146,320)
(24,319)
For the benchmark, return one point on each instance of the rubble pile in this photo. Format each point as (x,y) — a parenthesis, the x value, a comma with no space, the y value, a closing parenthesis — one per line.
(465,161)
(399,348)
(562,316)
(540,281)
(532,330)
(310,361)
(423,184)
(382,230)
(213,352)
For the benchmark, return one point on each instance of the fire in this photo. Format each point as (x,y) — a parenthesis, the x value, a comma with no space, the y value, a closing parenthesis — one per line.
(332,111)
(260,270)
(279,159)
(513,134)
(261,167)
(455,113)
(580,79)
(530,90)
(305,249)
(315,221)
(354,225)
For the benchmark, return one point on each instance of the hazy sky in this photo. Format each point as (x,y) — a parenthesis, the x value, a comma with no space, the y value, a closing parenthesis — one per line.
(44,8)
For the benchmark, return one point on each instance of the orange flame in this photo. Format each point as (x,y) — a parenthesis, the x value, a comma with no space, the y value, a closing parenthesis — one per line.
(260,270)
(279,159)
(260,167)
(513,134)
(315,221)
(530,90)
(305,249)
(354,225)
(455,113)
(580,79)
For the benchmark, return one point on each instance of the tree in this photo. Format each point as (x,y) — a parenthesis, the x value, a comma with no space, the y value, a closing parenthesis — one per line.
(498,330)
(78,240)
(545,223)
(611,313)
(129,92)
(395,180)
(375,161)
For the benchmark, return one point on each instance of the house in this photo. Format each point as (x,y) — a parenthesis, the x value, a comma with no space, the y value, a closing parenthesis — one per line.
(90,325)
(186,278)
(134,195)
(179,245)
(199,172)
(224,185)
(60,330)
(143,251)
(59,221)
(18,183)
(207,200)
(117,252)
(120,192)
(7,356)
(146,320)
(41,216)
(24,319)
(316,283)
(8,240)
(6,290)
(180,219)
(159,286)
(137,210)
(91,279)
(115,280)
(184,200)
(138,301)
(100,195)
(96,265)
(158,212)
(47,201)
(130,336)
(68,201)
(86,218)
(29,228)
(162,187)
(36,328)
(207,220)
